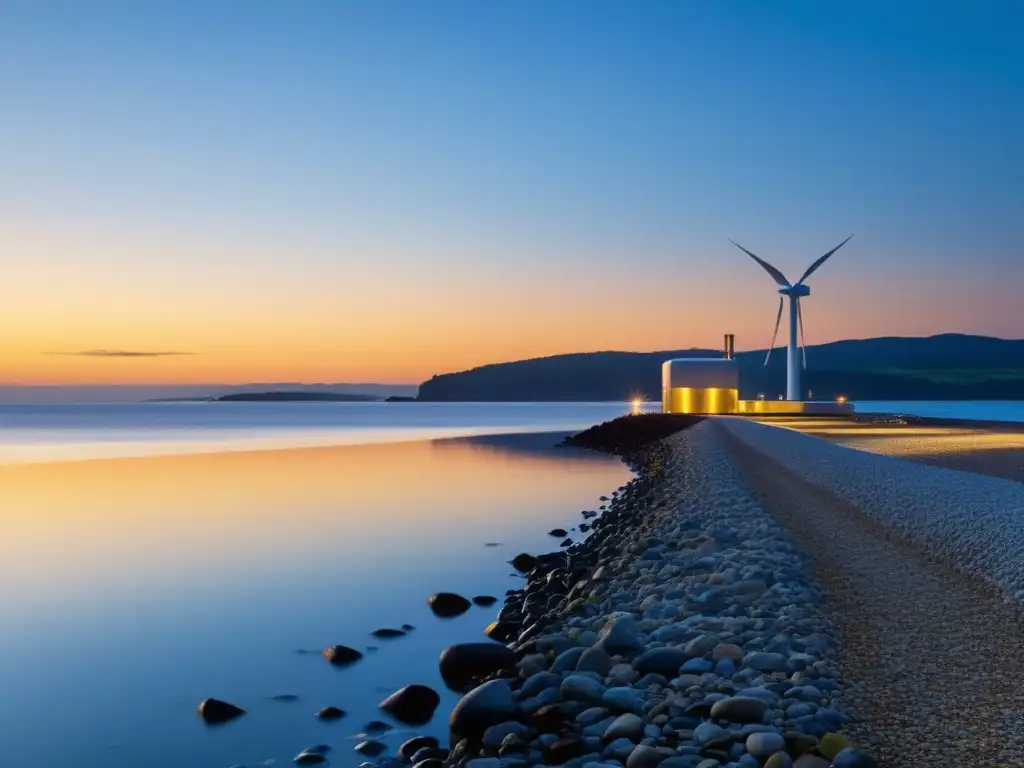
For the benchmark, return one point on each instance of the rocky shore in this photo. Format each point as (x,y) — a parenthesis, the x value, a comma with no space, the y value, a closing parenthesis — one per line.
(684,632)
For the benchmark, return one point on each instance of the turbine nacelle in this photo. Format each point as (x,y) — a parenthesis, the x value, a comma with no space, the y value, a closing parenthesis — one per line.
(796,291)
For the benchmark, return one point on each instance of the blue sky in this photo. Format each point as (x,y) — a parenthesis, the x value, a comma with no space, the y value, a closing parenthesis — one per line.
(463,153)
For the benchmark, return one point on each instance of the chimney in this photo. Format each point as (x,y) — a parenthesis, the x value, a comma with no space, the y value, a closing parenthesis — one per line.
(730,346)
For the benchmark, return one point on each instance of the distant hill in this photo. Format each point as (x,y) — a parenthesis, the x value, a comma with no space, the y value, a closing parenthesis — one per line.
(294,397)
(944,367)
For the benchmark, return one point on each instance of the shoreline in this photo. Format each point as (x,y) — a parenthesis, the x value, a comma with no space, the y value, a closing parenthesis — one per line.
(16,455)
(683,632)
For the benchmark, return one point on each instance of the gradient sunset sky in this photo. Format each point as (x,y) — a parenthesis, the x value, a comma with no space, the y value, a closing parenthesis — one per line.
(353,191)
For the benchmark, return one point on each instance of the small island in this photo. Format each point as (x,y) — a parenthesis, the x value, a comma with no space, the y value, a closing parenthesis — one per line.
(295,397)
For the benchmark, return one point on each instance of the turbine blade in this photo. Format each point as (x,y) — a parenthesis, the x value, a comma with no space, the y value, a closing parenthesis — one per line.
(778,319)
(800,318)
(777,276)
(821,261)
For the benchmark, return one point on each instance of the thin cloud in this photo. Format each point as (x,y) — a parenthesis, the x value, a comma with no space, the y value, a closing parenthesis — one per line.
(119,353)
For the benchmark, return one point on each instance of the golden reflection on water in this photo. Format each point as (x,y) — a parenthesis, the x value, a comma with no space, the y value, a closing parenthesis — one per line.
(79,523)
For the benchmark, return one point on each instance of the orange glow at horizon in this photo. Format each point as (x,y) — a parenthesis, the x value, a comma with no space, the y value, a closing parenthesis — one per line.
(247,312)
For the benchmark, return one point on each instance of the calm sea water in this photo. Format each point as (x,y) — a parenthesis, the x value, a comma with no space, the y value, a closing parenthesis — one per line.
(204,544)
(983,410)
(52,432)
(131,588)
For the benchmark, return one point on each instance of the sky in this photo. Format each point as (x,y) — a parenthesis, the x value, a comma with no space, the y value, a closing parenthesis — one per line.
(246,190)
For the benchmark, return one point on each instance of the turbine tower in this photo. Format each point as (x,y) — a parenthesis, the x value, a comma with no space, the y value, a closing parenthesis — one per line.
(796,319)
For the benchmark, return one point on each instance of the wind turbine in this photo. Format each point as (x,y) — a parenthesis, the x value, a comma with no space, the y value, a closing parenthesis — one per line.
(796,319)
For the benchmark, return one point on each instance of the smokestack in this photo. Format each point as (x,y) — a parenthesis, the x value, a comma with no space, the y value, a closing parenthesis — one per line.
(730,346)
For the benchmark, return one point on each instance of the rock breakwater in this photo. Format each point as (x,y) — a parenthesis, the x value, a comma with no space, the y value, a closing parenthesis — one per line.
(683,633)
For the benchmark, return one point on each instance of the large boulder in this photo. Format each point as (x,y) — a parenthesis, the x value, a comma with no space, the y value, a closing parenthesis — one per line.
(761,661)
(414,745)
(595,660)
(620,635)
(726,651)
(387,633)
(413,705)
(342,655)
(371,748)
(330,713)
(502,631)
(661,661)
(622,699)
(423,753)
(765,744)
(550,718)
(484,706)
(644,757)
(534,684)
(313,755)
(377,726)
(582,688)
(524,562)
(832,744)
(740,709)
(495,736)
(565,749)
(567,660)
(627,726)
(215,711)
(700,646)
(462,665)
(705,733)
(448,604)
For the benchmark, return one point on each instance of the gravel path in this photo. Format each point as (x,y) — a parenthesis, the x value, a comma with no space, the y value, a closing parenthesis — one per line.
(988,453)
(933,655)
(974,521)
(986,450)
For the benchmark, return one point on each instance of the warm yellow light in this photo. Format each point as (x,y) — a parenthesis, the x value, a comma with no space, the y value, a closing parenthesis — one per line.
(716,400)
(637,400)
(841,399)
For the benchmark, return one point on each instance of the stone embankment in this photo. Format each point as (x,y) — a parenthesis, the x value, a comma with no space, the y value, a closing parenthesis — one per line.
(685,632)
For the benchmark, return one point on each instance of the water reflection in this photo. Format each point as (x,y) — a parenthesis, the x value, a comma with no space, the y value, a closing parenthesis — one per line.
(132,588)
